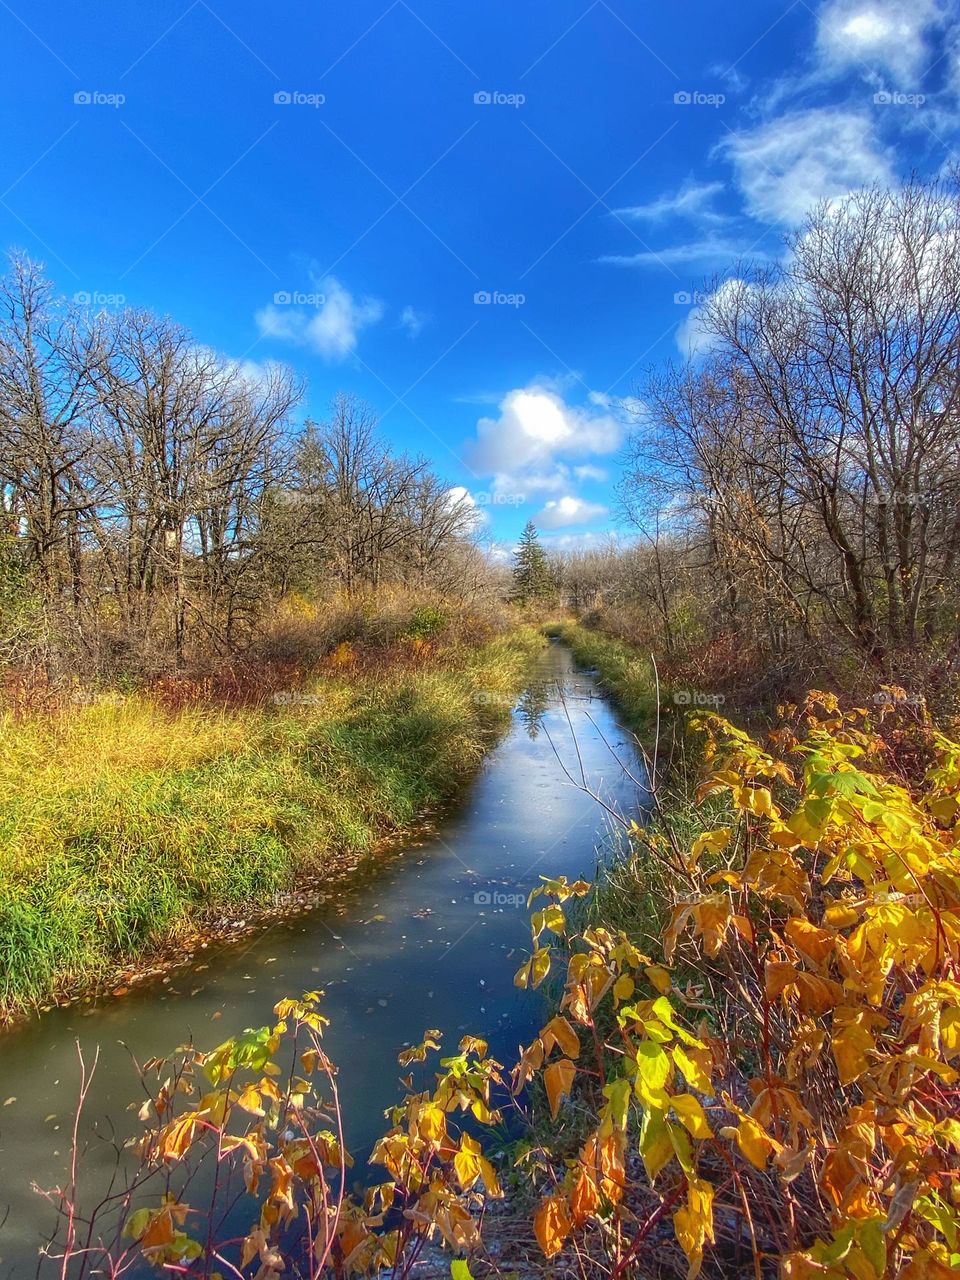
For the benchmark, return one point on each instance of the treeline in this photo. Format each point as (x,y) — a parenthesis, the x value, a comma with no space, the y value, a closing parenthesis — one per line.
(795,488)
(157,496)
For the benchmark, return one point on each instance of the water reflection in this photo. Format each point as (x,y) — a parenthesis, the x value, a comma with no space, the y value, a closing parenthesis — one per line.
(534,704)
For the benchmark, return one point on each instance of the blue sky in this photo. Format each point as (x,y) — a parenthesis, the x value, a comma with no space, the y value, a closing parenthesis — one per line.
(487,220)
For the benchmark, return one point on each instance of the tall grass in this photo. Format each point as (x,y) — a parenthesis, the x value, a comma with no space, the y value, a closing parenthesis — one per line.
(124,822)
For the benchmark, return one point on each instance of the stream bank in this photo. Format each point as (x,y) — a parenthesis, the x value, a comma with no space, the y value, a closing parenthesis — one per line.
(432,939)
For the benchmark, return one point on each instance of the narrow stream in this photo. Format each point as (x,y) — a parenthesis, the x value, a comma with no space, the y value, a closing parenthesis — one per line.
(430,940)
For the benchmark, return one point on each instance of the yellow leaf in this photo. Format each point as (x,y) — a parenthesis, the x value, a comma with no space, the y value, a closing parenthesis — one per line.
(432,1123)
(814,994)
(813,942)
(715,841)
(559,1031)
(174,1139)
(251,1101)
(535,970)
(694,1066)
(557,1079)
(851,1040)
(693,1224)
(692,1116)
(753,1140)
(656,1149)
(659,977)
(756,800)
(623,988)
(585,1197)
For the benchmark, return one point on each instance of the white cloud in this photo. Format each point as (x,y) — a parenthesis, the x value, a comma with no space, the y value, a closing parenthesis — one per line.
(541,444)
(569,510)
(706,250)
(524,482)
(412,321)
(788,164)
(693,339)
(586,540)
(535,427)
(734,79)
(878,35)
(459,495)
(331,330)
(691,200)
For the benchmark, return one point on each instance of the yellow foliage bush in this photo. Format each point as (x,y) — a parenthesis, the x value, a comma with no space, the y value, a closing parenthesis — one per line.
(801,1087)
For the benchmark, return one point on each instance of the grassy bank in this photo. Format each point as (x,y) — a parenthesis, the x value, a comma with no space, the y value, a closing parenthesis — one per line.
(123,823)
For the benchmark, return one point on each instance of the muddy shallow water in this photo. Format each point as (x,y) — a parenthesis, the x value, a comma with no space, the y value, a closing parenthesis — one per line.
(430,940)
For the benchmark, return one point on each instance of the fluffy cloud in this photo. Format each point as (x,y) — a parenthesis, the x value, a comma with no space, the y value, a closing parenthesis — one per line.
(693,339)
(331,329)
(536,428)
(459,496)
(569,510)
(878,35)
(412,321)
(790,163)
(541,444)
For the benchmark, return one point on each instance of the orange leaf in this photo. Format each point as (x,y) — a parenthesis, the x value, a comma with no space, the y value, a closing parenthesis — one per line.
(585,1198)
(552,1224)
(558,1078)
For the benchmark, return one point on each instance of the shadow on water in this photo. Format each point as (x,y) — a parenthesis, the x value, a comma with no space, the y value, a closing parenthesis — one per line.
(431,940)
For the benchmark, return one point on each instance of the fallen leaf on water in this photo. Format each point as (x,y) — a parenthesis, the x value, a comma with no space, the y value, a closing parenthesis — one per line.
(9,1101)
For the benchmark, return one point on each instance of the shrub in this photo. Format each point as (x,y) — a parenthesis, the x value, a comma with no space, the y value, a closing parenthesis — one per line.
(798,1101)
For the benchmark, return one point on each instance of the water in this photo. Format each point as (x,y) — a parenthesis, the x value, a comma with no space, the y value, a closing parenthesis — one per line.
(432,939)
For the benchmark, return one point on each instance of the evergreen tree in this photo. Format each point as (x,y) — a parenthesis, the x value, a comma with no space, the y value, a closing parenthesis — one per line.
(532,576)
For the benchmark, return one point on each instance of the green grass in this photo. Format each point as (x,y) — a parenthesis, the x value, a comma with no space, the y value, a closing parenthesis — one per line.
(122,825)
